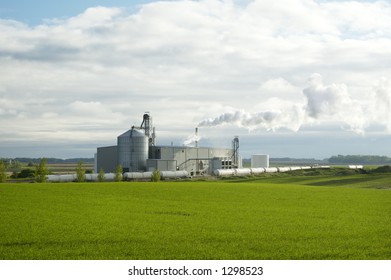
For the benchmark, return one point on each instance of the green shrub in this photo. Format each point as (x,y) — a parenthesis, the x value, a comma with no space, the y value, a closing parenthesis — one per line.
(155,176)
(80,172)
(41,171)
(3,175)
(26,173)
(382,169)
(101,175)
(118,173)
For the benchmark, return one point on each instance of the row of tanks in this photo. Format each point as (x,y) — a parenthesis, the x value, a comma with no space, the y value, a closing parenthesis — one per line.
(111,177)
(260,170)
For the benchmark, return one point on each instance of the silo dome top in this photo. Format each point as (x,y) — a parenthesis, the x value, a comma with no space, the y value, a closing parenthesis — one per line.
(133,133)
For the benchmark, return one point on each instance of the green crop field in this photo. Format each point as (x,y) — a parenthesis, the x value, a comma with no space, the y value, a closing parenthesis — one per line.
(266,217)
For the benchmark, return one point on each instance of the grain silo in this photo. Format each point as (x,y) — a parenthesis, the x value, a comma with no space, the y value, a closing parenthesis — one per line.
(133,150)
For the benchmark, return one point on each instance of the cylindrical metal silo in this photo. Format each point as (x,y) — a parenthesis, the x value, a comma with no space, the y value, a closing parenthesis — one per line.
(133,150)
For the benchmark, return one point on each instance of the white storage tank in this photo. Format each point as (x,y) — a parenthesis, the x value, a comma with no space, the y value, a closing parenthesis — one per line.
(110,177)
(133,150)
(242,171)
(271,169)
(306,167)
(284,169)
(259,161)
(53,178)
(258,170)
(92,177)
(295,168)
(61,178)
(174,174)
(137,175)
(224,172)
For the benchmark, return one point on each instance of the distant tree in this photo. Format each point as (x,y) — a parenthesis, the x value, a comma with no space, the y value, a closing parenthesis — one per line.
(26,173)
(3,175)
(155,176)
(14,175)
(101,175)
(13,165)
(118,173)
(41,171)
(80,172)
(359,159)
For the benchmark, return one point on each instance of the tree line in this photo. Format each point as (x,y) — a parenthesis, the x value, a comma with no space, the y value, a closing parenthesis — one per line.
(359,159)
(41,171)
(27,160)
(39,174)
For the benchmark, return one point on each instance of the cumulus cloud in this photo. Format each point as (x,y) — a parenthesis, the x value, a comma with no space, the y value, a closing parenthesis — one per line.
(382,104)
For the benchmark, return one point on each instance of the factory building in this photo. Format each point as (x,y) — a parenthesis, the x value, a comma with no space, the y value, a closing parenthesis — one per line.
(136,151)
(259,161)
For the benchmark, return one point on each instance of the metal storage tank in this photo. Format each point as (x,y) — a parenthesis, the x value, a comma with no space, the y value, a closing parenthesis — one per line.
(259,161)
(242,171)
(68,178)
(295,168)
(284,169)
(92,177)
(53,178)
(306,167)
(110,177)
(133,150)
(137,175)
(174,174)
(224,172)
(271,170)
(258,170)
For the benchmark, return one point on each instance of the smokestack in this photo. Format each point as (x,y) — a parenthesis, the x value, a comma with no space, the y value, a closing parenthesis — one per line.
(196,137)
(192,139)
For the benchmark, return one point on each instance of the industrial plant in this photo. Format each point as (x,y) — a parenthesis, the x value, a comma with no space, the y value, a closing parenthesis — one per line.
(137,152)
(139,156)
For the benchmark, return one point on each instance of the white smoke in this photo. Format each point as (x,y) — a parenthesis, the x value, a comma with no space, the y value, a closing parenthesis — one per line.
(333,103)
(269,120)
(191,140)
(323,103)
(324,100)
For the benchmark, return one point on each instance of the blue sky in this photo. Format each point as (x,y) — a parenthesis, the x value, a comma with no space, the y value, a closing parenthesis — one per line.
(295,78)
(34,12)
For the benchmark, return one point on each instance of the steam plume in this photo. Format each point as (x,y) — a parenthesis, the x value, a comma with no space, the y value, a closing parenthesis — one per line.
(191,140)
(322,103)
(269,120)
(333,103)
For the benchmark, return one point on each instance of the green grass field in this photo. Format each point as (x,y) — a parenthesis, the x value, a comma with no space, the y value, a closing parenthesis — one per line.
(268,217)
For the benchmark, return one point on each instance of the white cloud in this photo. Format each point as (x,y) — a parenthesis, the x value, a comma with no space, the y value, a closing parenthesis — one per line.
(361,19)
(185,61)
(382,105)
(292,17)
(333,102)
(279,87)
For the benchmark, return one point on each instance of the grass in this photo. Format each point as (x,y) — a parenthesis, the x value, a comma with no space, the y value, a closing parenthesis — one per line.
(276,217)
